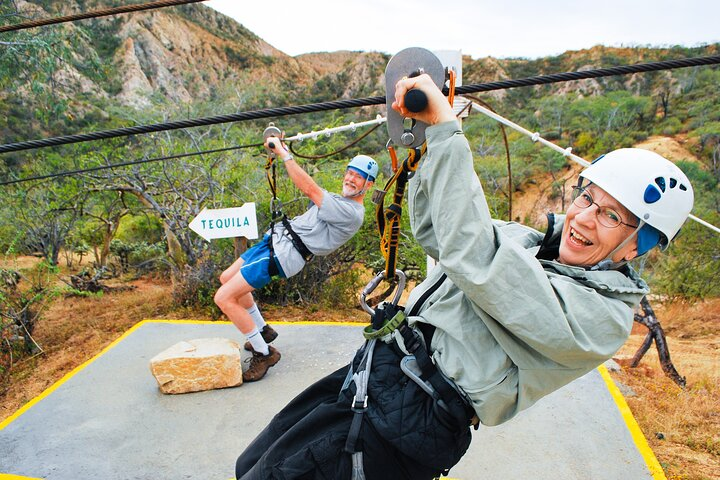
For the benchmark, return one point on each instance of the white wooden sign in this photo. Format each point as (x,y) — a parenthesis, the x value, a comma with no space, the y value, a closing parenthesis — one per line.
(226,222)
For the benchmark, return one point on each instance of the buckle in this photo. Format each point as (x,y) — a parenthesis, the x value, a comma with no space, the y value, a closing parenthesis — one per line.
(354,404)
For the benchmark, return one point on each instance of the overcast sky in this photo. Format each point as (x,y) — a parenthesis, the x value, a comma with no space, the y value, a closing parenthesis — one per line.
(514,28)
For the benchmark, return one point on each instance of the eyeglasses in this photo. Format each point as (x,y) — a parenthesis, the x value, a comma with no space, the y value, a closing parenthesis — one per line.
(606,216)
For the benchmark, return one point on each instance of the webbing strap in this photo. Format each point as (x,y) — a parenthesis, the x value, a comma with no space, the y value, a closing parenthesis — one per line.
(359,405)
(271,175)
(357,466)
(431,374)
(297,241)
(370,332)
(388,219)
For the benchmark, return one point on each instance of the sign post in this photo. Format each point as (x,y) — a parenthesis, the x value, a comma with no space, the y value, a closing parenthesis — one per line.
(226,222)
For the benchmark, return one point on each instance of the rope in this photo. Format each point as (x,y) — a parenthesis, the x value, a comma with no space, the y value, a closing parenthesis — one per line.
(125,164)
(94,14)
(507,152)
(535,137)
(328,131)
(199,122)
(349,145)
(353,103)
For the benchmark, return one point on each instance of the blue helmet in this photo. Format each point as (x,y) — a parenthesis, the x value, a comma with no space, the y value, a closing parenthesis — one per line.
(365,166)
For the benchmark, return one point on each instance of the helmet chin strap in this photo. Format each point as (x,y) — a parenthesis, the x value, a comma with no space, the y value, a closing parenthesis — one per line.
(608,263)
(360,192)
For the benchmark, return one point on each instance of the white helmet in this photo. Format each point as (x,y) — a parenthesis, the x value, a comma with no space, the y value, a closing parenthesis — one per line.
(650,186)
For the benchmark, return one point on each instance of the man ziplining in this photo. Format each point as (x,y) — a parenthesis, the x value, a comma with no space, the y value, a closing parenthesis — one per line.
(508,316)
(330,221)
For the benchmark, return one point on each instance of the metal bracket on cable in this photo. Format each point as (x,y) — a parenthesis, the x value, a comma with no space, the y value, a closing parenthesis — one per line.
(271,131)
(407,63)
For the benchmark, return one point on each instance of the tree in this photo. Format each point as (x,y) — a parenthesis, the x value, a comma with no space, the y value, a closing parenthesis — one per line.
(45,214)
(106,209)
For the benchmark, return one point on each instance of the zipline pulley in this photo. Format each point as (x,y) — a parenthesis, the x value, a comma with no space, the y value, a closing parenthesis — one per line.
(407,63)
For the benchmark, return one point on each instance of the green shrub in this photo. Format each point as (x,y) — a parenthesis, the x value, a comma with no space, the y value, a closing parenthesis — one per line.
(669,126)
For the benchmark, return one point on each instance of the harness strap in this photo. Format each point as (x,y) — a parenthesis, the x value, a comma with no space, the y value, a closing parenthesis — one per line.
(276,213)
(371,333)
(271,174)
(457,407)
(359,404)
(297,241)
(388,219)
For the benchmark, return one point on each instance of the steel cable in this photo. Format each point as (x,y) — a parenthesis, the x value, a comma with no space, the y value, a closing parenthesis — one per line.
(94,14)
(353,103)
(126,164)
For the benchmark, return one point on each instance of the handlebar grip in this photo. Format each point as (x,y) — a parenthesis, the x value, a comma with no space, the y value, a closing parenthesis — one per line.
(415,100)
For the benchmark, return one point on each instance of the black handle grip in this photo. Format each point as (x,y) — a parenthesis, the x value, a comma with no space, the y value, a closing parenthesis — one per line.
(415,100)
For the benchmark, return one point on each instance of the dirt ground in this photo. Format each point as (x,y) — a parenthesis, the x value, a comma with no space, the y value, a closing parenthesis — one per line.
(682,426)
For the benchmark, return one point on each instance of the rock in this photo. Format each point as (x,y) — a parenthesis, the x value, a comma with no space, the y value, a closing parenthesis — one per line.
(626,391)
(197,365)
(612,366)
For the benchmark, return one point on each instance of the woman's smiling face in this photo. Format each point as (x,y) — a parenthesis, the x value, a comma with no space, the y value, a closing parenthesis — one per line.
(586,241)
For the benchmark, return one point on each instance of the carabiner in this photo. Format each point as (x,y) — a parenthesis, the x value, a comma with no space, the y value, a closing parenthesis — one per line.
(372,285)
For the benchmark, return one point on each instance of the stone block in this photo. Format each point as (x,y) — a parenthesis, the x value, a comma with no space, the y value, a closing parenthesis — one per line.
(197,365)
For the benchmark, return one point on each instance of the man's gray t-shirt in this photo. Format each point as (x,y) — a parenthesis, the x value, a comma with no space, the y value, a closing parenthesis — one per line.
(323,230)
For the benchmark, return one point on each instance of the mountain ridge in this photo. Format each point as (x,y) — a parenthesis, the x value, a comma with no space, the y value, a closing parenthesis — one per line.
(186,53)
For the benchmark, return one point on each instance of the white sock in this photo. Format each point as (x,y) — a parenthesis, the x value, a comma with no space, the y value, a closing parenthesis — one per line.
(257,317)
(257,342)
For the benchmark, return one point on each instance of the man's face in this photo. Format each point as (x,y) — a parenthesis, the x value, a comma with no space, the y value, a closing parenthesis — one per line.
(354,183)
(586,241)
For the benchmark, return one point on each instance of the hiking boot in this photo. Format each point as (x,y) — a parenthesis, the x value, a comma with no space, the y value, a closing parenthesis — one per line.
(259,365)
(268,334)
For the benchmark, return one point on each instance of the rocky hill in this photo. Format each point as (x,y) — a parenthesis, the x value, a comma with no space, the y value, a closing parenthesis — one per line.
(192,52)
(188,53)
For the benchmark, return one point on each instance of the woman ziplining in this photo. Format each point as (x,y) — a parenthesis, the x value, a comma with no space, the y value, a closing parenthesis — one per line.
(508,315)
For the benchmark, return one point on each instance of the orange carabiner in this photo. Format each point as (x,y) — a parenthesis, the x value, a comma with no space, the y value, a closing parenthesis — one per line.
(393,158)
(451,93)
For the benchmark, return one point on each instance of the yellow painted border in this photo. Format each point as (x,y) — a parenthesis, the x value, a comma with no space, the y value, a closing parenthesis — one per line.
(640,441)
(77,369)
(7,476)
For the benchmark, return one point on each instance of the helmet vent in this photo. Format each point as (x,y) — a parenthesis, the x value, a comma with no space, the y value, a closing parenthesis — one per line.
(660,181)
(652,194)
(683,188)
(673,182)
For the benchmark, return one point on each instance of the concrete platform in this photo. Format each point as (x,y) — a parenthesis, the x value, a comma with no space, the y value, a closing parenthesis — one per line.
(108,420)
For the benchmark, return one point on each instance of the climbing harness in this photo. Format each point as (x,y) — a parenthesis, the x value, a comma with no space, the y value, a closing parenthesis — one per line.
(389,324)
(389,320)
(276,211)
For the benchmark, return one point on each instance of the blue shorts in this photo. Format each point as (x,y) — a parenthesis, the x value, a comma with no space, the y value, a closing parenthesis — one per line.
(255,268)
